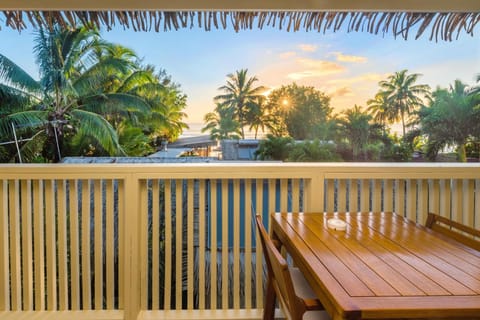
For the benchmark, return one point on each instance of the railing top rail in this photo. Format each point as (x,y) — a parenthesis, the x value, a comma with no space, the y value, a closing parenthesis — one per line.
(251,170)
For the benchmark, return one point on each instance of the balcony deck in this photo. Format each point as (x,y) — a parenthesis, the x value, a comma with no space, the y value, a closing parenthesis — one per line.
(158,241)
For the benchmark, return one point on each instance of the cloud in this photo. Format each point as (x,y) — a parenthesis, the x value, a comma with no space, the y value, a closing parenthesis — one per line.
(347,58)
(360,79)
(287,54)
(341,92)
(308,47)
(315,68)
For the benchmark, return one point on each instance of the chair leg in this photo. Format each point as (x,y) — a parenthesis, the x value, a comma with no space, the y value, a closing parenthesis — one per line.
(269,306)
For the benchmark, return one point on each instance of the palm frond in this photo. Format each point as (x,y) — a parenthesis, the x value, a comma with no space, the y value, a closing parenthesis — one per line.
(14,99)
(138,78)
(25,120)
(93,79)
(14,75)
(95,126)
(116,103)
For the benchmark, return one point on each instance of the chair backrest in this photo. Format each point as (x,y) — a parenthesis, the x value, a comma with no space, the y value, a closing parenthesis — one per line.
(279,274)
(457,231)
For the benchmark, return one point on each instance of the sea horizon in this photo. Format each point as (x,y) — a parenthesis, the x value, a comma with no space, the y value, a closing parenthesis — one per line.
(195,130)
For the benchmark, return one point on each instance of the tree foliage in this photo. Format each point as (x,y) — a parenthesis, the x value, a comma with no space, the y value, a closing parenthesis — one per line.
(241,98)
(87,88)
(451,119)
(402,97)
(298,110)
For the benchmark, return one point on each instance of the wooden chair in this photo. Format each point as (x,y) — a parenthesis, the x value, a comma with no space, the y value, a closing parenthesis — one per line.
(454,230)
(295,296)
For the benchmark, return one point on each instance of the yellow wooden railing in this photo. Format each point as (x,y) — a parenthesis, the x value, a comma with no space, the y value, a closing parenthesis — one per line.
(177,241)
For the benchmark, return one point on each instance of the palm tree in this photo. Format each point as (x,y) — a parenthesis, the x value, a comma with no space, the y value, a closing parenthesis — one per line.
(452,119)
(69,100)
(356,129)
(240,96)
(221,124)
(378,108)
(258,116)
(403,95)
(274,148)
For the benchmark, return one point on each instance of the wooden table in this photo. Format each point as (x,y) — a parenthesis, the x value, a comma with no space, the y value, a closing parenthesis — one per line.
(383,266)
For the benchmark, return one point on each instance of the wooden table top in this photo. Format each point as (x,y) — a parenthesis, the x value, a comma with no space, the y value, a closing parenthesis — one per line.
(382,266)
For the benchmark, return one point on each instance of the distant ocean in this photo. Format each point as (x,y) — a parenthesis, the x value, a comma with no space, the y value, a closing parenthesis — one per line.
(195,130)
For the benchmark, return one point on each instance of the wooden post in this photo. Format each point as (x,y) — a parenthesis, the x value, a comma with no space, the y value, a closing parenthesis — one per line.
(131,256)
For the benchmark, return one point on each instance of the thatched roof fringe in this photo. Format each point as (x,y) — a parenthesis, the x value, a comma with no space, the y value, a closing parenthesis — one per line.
(443,26)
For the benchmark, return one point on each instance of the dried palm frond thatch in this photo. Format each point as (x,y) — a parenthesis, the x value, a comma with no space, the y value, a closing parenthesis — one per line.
(439,26)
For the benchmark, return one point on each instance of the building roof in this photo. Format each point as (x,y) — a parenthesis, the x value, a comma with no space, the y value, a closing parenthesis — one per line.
(193,142)
(151,159)
(437,19)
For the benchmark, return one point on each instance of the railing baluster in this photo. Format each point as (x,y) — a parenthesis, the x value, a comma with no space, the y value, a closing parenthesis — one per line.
(143,242)
(168,245)
(342,195)
(468,196)
(388,195)
(411,200)
(50,244)
(271,198)
(353,196)
(109,245)
(178,243)
(155,244)
(4,250)
(365,195)
(202,227)
(39,244)
(457,200)
(330,195)
(225,251)
(445,198)
(121,241)
(27,245)
(236,244)
(98,239)
(15,249)
(434,196)
(283,195)
(422,201)
(400,196)
(295,195)
(377,195)
(213,244)
(190,252)
(258,248)
(74,246)
(247,279)
(62,245)
(86,249)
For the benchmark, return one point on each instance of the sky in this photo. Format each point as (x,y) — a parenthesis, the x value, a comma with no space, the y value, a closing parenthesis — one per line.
(346,66)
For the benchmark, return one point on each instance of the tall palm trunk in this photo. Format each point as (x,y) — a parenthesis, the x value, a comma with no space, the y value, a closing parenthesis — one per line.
(461,152)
